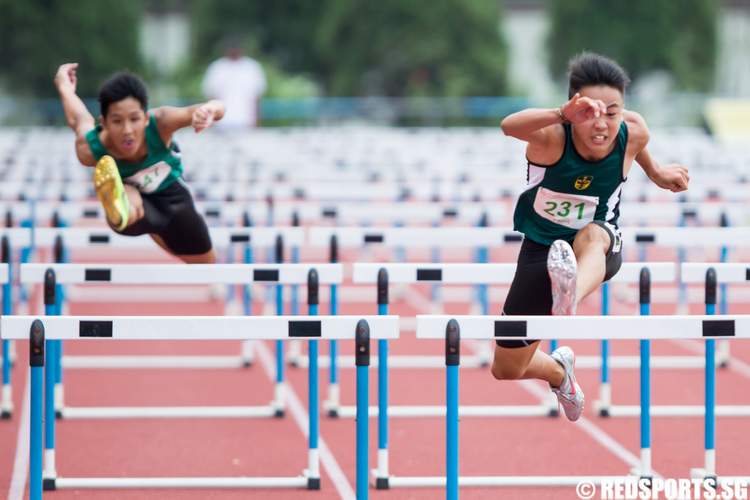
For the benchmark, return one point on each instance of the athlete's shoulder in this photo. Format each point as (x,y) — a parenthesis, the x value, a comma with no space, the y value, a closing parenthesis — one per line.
(638,133)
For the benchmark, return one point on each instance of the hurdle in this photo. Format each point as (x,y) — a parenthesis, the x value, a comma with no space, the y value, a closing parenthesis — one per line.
(62,239)
(453,328)
(10,239)
(706,273)
(51,275)
(548,408)
(42,329)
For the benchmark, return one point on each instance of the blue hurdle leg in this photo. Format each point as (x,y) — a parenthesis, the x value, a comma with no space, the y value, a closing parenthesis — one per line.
(313,467)
(36,431)
(334,395)
(279,402)
(382,472)
(605,391)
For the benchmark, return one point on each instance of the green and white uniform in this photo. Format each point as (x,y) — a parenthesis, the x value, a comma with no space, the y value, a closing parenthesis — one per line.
(161,167)
(562,198)
(168,208)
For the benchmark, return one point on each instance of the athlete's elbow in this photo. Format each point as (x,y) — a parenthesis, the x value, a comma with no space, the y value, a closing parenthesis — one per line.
(505,126)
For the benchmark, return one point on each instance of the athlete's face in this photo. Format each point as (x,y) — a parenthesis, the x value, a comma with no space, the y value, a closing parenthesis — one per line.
(596,136)
(125,124)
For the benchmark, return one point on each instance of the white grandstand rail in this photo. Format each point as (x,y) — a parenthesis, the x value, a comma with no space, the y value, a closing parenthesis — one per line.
(730,272)
(182,273)
(661,272)
(587,327)
(198,327)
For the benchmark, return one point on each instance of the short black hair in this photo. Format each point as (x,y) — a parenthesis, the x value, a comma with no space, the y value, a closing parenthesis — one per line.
(589,68)
(121,86)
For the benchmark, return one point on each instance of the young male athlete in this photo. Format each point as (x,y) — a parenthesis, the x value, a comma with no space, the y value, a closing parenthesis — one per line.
(135,144)
(579,156)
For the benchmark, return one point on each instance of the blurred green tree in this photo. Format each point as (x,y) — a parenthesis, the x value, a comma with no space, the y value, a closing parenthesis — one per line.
(39,35)
(358,47)
(642,35)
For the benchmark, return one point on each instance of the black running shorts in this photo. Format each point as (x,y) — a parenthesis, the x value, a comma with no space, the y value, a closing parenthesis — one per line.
(171,215)
(531,291)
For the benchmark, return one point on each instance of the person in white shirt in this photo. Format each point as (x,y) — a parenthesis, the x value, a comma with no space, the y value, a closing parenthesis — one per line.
(239,82)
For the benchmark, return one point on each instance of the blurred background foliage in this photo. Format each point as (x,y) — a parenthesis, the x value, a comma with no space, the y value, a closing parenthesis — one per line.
(400,49)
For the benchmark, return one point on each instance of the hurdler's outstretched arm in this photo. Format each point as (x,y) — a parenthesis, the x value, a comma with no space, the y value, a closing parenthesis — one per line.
(673,176)
(76,114)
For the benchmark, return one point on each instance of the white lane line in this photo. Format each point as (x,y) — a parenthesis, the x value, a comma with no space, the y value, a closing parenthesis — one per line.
(21,462)
(589,428)
(301,418)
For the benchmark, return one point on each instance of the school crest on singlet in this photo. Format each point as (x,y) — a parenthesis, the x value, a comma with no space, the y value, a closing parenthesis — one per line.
(562,198)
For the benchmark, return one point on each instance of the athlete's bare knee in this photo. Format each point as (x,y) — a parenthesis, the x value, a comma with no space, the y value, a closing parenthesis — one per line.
(591,235)
(503,370)
(203,258)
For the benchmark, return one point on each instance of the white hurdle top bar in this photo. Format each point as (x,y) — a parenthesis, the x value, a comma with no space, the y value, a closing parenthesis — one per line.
(687,236)
(169,274)
(661,272)
(18,237)
(586,327)
(730,272)
(221,237)
(199,327)
(464,237)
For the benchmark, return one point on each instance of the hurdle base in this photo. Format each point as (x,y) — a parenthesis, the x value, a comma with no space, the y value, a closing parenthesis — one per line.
(181,482)
(117,412)
(678,411)
(602,409)
(500,481)
(313,483)
(701,473)
(382,483)
(403,411)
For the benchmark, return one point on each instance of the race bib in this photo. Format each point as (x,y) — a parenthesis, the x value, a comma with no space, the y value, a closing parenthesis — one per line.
(569,210)
(149,179)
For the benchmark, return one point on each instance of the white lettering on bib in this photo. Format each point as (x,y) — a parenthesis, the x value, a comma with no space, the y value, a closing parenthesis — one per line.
(149,179)
(569,210)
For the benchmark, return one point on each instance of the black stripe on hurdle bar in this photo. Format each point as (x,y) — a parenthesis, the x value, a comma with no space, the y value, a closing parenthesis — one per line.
(98,238)
(265,275)
(510,329)
(718,328)
(429,274)
(645,238)
(689,212)
(747,274)
(90,213)
(373,238)
(98,275)
(239,238)
(95,329)
(304,328)
(330,213)
(450,212)
(213,212)
(512,237)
